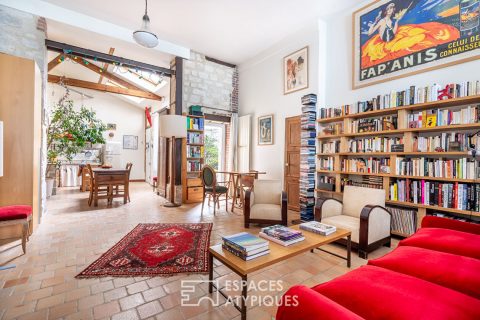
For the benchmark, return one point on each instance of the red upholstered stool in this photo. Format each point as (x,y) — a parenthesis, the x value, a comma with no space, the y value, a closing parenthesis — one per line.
(17,215)
(155,182)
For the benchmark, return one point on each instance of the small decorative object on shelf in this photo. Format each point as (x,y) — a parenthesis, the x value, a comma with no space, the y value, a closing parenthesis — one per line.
(307,157)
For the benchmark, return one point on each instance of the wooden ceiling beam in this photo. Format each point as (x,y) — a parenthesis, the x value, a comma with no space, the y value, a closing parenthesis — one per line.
(103,87)
(55,62)
(105,65)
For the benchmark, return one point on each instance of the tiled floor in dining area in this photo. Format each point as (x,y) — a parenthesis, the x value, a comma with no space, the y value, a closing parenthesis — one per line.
(72,235)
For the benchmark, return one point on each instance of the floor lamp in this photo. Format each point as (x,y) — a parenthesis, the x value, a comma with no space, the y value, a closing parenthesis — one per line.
(172,126)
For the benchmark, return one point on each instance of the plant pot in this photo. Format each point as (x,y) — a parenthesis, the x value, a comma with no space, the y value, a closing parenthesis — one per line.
(50,183)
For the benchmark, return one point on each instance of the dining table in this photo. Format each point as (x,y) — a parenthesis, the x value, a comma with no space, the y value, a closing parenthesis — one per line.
(112,178)
(234,180)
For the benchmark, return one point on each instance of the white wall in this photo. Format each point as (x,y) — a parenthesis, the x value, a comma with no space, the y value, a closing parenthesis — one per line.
(339,67)
(130,120)
(261,93)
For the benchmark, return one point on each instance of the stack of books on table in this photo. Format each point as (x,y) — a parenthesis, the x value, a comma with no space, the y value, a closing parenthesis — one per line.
(245,245)
(282,235)
(318,227)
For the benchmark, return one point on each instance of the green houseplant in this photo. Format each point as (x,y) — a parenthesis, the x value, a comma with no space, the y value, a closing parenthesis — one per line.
(70,130)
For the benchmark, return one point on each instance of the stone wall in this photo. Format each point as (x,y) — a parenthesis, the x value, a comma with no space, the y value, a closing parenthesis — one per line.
(23,35)
(209,84)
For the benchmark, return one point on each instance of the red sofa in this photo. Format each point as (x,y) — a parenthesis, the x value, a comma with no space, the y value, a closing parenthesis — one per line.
(434,274)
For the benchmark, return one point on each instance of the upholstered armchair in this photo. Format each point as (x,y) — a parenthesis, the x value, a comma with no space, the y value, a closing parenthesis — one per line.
(266,203)
(362,212)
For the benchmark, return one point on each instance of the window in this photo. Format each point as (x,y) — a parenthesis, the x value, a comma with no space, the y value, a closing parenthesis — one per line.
(215,145)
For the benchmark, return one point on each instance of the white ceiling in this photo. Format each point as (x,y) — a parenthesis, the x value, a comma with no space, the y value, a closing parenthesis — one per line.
(229,30)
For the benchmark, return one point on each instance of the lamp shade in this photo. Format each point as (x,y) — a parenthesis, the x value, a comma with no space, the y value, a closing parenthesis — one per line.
(1,148)
(173,126)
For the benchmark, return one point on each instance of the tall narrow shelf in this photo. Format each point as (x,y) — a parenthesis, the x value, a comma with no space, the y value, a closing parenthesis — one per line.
(408,135)
(194,159)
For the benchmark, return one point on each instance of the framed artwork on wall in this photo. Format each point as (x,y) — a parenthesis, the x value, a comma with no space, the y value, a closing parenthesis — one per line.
(265,130)
(398,38)
(130,142)
(295,71)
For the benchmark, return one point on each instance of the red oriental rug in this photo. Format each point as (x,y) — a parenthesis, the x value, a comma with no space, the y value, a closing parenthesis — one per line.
(156,249)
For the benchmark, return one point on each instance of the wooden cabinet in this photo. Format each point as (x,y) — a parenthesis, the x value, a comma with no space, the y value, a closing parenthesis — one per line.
(20,111)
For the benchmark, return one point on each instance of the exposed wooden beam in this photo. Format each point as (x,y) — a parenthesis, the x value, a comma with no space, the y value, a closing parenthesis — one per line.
(55,62)
(105,65)
(102,87)
(103,57)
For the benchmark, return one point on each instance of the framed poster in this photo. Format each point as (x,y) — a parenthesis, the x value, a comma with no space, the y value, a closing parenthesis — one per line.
(265,130)
(130,142)
(295,71)
(398,38)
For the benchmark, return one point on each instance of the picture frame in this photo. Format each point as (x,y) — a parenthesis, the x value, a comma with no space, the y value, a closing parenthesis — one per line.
(265,130)
(111,126)
(130,142)
(295,71)
(384,49)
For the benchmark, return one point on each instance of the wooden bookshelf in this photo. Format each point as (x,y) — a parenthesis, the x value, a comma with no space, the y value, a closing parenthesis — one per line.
(414,107)
(192,183)
(408,135)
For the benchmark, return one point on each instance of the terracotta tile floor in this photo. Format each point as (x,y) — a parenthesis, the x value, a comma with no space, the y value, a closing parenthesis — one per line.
(72,235)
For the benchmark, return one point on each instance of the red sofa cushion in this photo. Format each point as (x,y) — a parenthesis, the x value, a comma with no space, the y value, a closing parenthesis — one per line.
(376,293)
(302,303)
(445,240)
(14,212)
(437,222)
(447,270)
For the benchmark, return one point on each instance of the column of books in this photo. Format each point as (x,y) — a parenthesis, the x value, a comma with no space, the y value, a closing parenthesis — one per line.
(307,157)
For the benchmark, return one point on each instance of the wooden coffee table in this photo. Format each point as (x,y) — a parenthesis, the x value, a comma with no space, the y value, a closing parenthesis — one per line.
(277,254)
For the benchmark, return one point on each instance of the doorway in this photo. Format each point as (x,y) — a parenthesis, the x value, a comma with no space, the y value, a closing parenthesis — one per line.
(292,162)
(215,145)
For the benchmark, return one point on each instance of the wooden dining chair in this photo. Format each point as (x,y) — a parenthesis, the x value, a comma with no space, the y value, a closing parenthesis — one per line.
(123,187)
(246,184)
(102,190)
(211,188)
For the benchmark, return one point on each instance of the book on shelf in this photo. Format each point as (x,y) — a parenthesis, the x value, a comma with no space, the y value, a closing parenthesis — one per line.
(195,123)
(463,168)
(370,165)
(375,144)
(385,123)
(444,117)
(332,129)
(329,147)
(326,163)
(462,196)
(446,142)
(243,256)
(318,227)
(448,216)
(195,137)
(373,182)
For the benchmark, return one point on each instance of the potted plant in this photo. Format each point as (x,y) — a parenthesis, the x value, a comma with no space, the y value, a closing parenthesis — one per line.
(69,131)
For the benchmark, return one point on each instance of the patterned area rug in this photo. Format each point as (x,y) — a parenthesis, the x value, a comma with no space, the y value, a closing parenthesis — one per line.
(159,249)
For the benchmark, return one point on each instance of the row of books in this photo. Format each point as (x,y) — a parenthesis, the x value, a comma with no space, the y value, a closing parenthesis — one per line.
(416,95)
(448,216)
(376,144)
(195,123)
(194,165)
(329,147)
(362,181)
(410,96)
(463,168)
(374,124)
(404,221)
(307,157)
(326,183)
(370,165)
(195,137)
(444,142)
(444,117)
(326,163)
(460,196)
(194,151)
